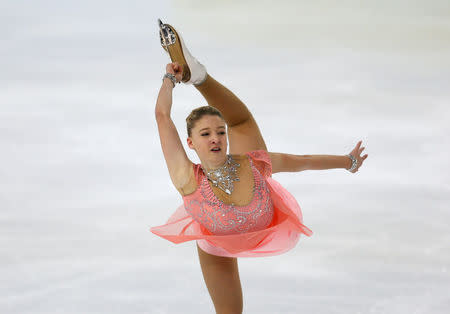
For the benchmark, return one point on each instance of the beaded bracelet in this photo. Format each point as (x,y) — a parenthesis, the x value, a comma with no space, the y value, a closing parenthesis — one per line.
(354,163)
(171,77)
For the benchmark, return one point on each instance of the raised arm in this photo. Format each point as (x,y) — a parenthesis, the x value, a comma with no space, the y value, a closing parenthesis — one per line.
(179,165)
(294,163)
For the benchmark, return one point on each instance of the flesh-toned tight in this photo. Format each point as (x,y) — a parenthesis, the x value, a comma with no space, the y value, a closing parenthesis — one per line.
(221,274)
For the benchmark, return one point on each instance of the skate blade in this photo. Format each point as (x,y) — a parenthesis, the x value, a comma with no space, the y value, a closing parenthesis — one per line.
(171,43)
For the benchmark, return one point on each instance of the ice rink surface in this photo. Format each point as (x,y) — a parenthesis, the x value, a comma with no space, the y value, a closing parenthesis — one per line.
(83,177)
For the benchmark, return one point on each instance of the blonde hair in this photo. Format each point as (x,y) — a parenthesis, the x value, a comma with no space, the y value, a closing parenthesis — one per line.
(197,114)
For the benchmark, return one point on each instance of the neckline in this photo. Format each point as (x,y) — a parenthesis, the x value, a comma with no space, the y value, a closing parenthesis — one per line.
(216,199)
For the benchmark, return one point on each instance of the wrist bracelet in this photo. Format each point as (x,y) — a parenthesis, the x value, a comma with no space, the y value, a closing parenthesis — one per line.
(354,163)
(171,77)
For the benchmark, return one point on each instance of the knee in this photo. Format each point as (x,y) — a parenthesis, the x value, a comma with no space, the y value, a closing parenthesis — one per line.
(238,122)
(243,123)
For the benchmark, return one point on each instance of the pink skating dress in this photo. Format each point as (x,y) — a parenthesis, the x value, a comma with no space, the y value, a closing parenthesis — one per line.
(270,224)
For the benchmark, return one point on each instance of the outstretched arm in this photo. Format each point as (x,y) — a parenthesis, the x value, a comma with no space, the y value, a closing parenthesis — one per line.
(179,165)
(294,163)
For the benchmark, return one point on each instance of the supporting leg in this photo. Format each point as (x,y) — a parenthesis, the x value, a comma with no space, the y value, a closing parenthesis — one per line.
(221,276)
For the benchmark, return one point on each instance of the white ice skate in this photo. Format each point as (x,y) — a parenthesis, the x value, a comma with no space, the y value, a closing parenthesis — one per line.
(193,71)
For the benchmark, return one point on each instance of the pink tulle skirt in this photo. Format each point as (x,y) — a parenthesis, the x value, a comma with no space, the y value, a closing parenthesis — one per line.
(280,236)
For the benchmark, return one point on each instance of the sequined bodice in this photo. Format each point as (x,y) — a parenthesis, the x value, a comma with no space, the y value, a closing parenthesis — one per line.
(220,218)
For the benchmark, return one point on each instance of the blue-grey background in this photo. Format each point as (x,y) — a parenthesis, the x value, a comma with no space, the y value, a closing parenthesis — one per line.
(83,178)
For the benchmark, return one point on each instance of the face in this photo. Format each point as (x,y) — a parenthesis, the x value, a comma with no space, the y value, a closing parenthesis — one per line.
(209,140)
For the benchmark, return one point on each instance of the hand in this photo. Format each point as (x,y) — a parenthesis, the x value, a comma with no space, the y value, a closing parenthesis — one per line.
(356,152)
(175,69)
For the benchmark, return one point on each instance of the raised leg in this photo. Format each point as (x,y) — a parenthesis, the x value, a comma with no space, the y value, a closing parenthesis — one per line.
(243,132)
(221,276)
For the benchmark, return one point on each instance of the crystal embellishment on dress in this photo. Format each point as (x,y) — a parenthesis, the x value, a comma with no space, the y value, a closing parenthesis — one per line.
(224,176)
(220,218)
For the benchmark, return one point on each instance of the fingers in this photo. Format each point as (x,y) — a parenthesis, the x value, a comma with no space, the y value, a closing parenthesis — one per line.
(169,68)
(362,160)
(356,152)
(358,149)
(358,145)
(173,65)
(176,67)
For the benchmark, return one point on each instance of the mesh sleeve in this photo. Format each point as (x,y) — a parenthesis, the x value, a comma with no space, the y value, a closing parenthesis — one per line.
(262,162)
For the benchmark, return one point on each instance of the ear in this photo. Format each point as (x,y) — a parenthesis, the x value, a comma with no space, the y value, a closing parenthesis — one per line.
(189,142)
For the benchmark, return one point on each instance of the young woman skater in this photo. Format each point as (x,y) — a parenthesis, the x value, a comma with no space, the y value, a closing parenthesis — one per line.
(231,205)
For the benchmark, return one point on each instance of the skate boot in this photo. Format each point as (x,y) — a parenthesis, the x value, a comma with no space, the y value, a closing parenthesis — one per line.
(193,71)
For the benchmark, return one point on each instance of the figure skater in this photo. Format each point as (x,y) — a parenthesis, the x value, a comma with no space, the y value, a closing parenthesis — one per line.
(231,205)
